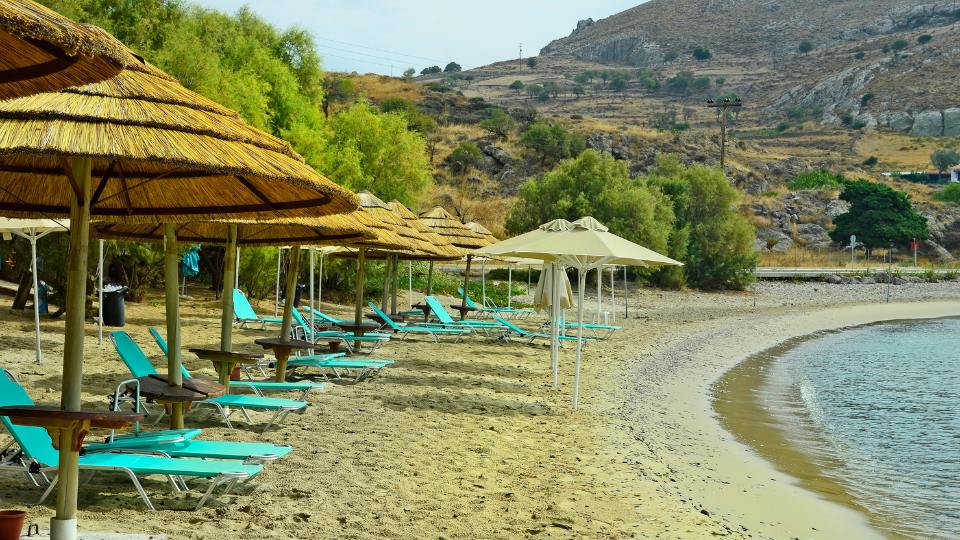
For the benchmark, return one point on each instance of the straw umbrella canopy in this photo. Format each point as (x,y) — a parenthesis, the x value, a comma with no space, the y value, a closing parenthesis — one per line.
(44,51)
(482,231)
(460,236)
(33,230)
(140,147)
(445,251)
(585,244)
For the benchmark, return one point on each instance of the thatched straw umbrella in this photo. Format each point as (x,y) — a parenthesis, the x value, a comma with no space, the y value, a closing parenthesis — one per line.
(44,51)
(155,149)
(445,250)
(460,236)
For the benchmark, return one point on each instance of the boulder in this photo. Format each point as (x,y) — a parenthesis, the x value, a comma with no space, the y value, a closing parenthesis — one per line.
(938,251)
(928,124)
(901,121)
(951,122)
(497,153)
(834,279)
(866,120)
(837,207)
(600,143)
(813,235)
(774,240)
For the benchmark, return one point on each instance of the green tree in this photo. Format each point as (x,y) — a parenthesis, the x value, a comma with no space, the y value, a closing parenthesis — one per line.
(552,143)
(464,157)
(950,193)
(409,73)
(532,62)
(944,159)
(599,186)
(899,45)
(702,53)
(618,83)
(805,47)
(499,123)
(432,70)
(452,67)
(680,83)
(710,237)
(517,86)
(924,39)
(375,151)
(878,216)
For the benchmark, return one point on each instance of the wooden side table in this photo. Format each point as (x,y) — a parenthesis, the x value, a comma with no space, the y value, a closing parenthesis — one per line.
(282,351)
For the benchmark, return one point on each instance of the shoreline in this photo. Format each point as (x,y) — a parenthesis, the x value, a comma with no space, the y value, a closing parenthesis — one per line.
(730,480)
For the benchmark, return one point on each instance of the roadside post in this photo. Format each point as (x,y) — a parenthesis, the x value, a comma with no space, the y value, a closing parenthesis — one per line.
(853,249)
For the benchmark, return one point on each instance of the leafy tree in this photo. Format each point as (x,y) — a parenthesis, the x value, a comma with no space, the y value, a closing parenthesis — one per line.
(899,45)
(432,70)
(700,84)
(416,120)
(583,77)
(710,237)
(578,90)
(944,159)
(538,92)
(805,47)
(452,67)
(517,86)
(375,151)
(465,156)
(878,216)
(924,39)
(702,53)
(681,83)
(499,123)
(338,90)
(618,83)
(409,73)
(599,186)
(532,62)
(552,143)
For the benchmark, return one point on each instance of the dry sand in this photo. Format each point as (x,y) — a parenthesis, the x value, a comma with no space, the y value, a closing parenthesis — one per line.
(471,441)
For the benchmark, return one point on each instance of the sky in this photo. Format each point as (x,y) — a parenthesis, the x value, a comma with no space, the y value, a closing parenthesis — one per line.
(389,36)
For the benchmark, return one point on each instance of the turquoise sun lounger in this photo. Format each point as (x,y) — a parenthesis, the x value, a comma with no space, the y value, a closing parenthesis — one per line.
(516,312)
(258,387)
(244,314)
(405,331)
(447,321)
(513,330)
(37,457)
(140,366)
(304,330)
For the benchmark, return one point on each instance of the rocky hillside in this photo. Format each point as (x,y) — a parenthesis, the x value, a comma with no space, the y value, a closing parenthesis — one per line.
(876,63)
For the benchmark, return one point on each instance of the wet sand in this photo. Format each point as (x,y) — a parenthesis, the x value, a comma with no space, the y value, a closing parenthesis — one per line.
(470,440)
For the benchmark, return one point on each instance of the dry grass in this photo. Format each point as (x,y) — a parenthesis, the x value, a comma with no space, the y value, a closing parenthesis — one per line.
(381,87)
(899,151)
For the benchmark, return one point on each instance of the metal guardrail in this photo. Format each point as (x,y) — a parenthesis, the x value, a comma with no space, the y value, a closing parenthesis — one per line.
(787,273)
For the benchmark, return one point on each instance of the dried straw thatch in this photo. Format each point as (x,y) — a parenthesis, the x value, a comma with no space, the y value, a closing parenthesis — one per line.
(482,231)
(44,51)
(159,153)
(336,229)
(444,250)
(413,245)
(450,228)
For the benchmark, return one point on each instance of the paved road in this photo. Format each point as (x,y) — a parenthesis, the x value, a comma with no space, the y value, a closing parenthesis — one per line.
(787,273)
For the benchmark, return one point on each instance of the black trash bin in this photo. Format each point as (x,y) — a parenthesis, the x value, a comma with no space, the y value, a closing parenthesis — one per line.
(296,298)
(113,309)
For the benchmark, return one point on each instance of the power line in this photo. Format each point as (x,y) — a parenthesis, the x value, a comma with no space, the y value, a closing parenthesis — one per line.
(395,53)
(378,57)
(362,61)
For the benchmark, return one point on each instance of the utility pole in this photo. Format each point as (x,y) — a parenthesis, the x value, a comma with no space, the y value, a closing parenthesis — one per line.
(722,106)
(521,57)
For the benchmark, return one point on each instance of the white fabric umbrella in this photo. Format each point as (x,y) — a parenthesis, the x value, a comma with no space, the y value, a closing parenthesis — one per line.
(586,244)
(543,294)
(33,230)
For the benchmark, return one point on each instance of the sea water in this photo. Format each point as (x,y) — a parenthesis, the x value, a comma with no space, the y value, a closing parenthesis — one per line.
(878,409)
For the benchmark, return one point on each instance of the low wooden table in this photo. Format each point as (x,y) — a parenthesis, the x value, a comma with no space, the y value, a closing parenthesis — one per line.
(282,351)
(396,317)
(463,310)
(425,308)
(157,388)
(358,329)
(225,362)
(56,420)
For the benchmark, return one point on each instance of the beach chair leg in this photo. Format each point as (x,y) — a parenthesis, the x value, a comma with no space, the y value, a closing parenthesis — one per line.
(246,416)
(173,483)
(139,486)
(203,500)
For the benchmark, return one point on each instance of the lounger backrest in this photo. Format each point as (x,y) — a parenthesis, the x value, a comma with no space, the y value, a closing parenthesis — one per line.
(162,343)
(242,308)
(470,303)
(131,354)
(511,326)
(386,318)
(299,319)
(437,308)
(322,315)
(34,441)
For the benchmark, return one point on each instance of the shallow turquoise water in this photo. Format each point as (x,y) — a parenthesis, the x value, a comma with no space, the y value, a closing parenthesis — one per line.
(879,407)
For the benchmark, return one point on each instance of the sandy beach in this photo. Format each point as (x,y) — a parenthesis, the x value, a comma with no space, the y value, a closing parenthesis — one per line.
(470,440)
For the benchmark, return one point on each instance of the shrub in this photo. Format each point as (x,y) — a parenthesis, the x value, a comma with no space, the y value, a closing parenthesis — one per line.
(860,55)
(499,123)
(815,180)
(950,194)
(552,143)
(702,53)
(532,62)
(719,81)
(899,45)
(465,156)
(870,161)
(517,86)
(805,47)
(924,39)
(944,158)
(783,126)
(452,67)
(431,70)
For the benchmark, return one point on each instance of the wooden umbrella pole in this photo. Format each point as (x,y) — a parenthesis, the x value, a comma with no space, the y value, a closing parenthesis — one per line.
(385,297)
(358,298)
(293,269)
(393,284)
(229,280)
(466,281)
(65,524)
(430,280)
(171,278)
